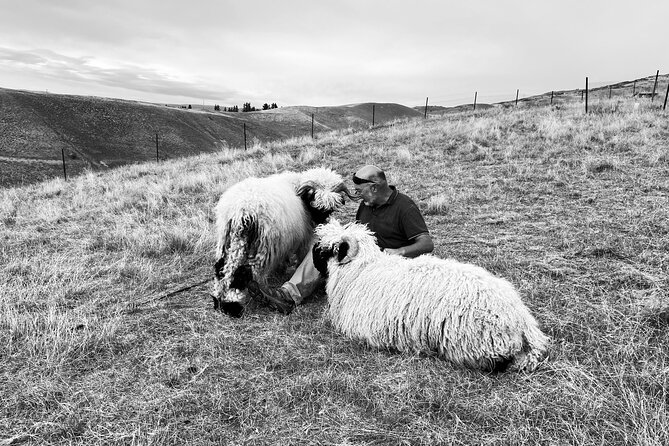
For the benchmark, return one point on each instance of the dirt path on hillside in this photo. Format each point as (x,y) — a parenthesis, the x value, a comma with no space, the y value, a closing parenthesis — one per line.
(11,159)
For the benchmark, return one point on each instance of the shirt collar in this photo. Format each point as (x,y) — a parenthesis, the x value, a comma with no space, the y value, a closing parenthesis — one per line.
(393,196)
(391,199)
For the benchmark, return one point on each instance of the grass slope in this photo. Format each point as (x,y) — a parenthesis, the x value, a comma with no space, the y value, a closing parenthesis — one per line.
(98,132)
(570,208)
(624,90)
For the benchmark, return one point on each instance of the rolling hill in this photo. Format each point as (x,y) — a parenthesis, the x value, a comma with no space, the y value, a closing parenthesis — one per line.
(38,129)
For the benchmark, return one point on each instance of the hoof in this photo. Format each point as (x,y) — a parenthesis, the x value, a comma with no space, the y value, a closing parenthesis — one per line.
(232,309)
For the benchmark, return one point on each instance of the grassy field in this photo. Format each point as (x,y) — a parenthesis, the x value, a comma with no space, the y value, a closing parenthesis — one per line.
(572,209)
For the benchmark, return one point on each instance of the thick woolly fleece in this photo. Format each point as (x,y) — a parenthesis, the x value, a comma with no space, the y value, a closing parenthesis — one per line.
(458,311)
(261,222)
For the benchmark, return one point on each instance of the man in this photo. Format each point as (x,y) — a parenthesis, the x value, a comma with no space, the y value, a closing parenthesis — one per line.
(394,218)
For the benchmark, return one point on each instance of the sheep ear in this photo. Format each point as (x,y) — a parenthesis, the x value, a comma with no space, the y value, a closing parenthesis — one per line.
(343,251)
(306,192)
(348,249)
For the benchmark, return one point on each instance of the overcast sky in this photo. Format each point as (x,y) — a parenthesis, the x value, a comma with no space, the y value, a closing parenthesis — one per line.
(327,52)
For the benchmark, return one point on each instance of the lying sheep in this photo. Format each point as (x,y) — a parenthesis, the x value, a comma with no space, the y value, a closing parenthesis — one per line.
(459,311)
(261,222)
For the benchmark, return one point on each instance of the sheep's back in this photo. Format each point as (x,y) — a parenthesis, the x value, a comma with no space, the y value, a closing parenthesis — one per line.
(427,304)
(283,225)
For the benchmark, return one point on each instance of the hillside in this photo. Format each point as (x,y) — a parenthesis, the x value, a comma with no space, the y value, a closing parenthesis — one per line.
(620,90)
(99,133)
(571,208)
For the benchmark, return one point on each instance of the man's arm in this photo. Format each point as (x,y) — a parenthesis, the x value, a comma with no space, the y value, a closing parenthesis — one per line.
(422,244)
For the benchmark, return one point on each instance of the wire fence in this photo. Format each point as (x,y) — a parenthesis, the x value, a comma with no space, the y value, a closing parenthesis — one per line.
(603,89)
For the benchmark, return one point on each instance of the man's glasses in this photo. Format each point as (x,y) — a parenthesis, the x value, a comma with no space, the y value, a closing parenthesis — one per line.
(358,180)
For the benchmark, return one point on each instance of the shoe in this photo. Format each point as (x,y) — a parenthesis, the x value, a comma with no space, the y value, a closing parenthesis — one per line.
(276,298)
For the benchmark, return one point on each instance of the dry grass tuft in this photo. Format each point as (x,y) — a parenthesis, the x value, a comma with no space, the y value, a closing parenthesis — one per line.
(654,307)
(437,204)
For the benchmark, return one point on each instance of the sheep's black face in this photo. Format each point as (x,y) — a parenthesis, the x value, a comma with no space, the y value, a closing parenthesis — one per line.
(321,256)
(318,215)
(232,309)
(342,251)
(218,267)
(241,277)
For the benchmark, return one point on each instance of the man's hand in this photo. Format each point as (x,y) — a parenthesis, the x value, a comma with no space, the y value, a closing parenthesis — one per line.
(422,245)
(395,252)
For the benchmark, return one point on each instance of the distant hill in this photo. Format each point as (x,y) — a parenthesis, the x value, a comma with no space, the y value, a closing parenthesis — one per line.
(37,129)
(440,110)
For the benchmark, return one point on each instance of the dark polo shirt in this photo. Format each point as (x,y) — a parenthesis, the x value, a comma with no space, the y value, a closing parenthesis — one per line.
(395,223)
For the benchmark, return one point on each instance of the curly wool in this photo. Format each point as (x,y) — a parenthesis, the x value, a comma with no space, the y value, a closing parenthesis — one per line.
(261,222)
(459,311)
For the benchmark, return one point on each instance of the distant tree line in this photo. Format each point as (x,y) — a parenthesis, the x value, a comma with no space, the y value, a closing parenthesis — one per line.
(234,108)
(247,107)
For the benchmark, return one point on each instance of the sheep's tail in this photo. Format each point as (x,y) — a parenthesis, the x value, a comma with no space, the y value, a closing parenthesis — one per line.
(535,347)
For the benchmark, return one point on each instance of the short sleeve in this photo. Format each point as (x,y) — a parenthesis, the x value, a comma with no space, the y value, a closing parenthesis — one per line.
(413,223)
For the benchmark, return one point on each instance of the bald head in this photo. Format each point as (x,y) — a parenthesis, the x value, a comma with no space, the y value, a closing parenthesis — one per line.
(369,174)
(371,185)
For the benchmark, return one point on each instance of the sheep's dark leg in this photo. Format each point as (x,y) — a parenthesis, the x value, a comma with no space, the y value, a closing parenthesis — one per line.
(217,276)
(500,365)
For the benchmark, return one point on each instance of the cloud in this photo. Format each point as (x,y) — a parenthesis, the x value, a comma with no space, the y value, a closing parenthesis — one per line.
(87,70)
(318,53)
(16,57)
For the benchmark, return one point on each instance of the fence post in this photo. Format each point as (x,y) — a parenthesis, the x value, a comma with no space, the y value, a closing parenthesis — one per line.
(666,95)
(634,89)
(426,107)
(157,159)
(609,92)
(517,91)
(652,97)
(62,153)
(244,136)
(586,95)
(312,126)
(552,97)
(475,95)
(373,113)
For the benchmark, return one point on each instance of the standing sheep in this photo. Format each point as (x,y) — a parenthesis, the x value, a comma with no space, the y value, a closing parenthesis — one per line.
(261,222)
(459,311)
